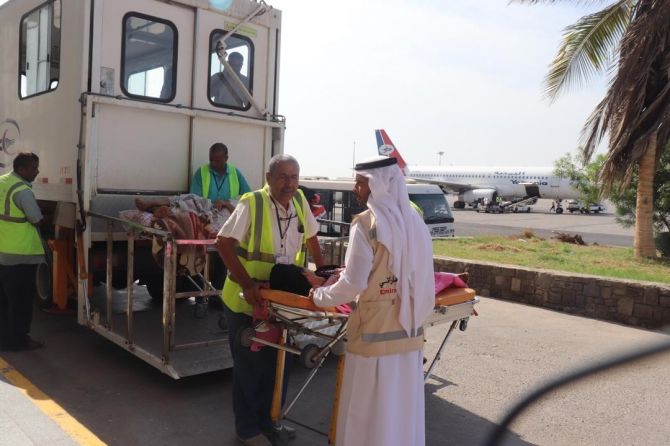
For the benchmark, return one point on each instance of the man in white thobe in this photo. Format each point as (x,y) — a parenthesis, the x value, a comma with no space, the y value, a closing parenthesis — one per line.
(389,273)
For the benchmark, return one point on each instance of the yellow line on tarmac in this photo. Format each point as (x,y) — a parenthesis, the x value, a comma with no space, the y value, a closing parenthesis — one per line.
(69,424)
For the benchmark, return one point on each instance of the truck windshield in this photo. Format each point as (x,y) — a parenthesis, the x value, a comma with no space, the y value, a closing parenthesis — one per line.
(434,206)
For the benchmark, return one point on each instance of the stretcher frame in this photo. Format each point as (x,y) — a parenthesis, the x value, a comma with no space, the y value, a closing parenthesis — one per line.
(458,314)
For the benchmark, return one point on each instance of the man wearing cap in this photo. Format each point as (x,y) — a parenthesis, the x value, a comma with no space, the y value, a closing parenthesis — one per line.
(269,226)
(389,268)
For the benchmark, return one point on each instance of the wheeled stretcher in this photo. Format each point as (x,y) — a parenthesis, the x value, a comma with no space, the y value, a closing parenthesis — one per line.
(292,313)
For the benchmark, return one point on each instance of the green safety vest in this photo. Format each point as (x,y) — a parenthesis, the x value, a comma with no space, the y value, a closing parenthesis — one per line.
(416,208)
(17,234)
(233,182)
(256,251)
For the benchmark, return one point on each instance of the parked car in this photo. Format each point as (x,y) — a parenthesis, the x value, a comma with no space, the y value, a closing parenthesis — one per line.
(574,206)
(592,208)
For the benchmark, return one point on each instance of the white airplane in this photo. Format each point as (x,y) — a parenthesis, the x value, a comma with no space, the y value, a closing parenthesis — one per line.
(475,184)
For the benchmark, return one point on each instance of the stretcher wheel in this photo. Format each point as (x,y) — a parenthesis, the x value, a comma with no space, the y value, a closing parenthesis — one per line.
(463,325)
(308,356)
(244,336)
(222,322)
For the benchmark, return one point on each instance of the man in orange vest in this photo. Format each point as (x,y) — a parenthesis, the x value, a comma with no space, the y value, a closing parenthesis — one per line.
(389,270)
(21,251)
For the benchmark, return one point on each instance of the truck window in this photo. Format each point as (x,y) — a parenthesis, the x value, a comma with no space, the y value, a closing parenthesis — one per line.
(39,50)
(222,90)
(148,57)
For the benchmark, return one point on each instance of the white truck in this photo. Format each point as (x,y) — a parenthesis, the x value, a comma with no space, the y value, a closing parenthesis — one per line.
(119,98)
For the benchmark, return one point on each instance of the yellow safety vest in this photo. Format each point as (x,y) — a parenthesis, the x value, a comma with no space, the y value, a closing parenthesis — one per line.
(233,182)
(416,208)
(256,251)
(17,234)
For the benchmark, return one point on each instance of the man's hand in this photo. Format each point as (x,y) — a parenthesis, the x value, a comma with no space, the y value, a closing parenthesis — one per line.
(224,204)
(252,294)
(313,279)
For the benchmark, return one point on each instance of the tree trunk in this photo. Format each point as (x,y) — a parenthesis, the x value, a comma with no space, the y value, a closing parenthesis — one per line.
(643,245)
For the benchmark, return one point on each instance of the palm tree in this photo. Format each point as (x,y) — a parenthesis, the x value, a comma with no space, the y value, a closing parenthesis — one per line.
(631,40)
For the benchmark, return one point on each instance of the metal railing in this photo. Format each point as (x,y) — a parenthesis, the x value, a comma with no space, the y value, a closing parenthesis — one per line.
(135,231)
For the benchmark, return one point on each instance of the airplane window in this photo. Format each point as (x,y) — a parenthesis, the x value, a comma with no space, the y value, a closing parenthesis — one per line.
(39,50)
(223,89)
(149,51)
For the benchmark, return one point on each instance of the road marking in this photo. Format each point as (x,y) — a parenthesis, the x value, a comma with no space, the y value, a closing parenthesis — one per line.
(67,422)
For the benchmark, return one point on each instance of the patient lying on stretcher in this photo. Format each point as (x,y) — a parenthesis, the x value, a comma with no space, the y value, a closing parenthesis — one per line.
(186,217)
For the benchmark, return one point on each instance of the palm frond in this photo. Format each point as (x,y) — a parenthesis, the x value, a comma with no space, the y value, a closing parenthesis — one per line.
(588,48)
(636,108)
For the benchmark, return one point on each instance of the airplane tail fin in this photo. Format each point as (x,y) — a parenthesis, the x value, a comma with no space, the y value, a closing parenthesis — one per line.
(386,147)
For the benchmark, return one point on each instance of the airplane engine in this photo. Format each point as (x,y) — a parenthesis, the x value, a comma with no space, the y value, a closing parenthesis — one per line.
(476,196)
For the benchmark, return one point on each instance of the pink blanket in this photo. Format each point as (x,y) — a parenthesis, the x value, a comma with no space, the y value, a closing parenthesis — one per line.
(447,280)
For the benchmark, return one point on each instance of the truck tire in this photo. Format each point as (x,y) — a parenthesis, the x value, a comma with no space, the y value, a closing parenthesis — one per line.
(43,292)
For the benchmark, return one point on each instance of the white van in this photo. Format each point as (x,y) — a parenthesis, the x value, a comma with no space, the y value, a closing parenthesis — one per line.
(334,203)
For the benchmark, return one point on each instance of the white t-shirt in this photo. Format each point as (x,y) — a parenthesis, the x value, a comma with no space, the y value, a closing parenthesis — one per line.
(239,222)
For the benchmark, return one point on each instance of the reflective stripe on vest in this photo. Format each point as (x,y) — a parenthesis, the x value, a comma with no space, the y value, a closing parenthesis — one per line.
(17,234)
(256,251)
(233,181)
(391,335)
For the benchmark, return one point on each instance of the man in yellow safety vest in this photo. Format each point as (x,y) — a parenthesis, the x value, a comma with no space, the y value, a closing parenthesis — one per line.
(219,180)
(21,251)
(269,226)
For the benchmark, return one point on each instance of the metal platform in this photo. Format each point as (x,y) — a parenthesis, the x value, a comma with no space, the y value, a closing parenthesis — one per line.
(147,336)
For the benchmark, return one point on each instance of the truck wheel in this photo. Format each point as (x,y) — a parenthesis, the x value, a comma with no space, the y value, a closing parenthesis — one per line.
(222,322)
(154,284)
(43,294)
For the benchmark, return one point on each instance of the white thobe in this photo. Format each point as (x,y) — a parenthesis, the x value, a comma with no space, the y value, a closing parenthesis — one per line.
(382,399)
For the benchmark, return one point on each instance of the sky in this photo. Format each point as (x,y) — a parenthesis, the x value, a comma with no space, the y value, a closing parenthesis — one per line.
(463,77)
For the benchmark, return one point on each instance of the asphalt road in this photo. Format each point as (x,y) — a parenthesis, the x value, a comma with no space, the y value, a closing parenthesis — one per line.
(506,351)
(594,228)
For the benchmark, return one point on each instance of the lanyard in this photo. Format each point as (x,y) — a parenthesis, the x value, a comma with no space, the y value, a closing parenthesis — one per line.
(218,184)
(282,233)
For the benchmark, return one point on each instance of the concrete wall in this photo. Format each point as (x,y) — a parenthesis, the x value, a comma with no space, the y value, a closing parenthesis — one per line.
(641,304)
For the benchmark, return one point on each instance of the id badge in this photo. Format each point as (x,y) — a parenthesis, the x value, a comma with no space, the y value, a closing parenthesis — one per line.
(282,259)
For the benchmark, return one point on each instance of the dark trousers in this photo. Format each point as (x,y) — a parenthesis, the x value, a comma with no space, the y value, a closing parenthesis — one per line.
(253,380)
(17,288)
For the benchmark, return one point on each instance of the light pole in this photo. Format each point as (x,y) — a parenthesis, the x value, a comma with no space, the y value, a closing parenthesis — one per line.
(439,157)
